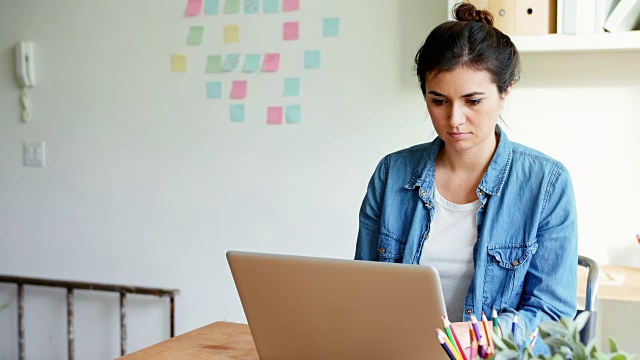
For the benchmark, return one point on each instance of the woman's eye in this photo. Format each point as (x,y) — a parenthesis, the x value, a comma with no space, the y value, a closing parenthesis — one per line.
(474,101)
(437,101)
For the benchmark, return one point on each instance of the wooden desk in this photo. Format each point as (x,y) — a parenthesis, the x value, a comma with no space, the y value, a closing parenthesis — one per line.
(628,290)
(220,340)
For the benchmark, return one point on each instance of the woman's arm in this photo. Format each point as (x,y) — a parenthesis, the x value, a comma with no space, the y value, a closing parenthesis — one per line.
(369,229)
(550,285)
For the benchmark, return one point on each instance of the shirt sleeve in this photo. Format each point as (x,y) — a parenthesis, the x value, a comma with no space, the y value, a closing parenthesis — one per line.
(550,285)
(370,210)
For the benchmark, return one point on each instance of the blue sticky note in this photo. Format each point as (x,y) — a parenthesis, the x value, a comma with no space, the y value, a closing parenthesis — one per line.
(251,6)
(231,62)
(212,7)
(214,90)
(330,27)
(236,113)
(293,114)
(312,59)
(251,63)
(271,6)
(292,87)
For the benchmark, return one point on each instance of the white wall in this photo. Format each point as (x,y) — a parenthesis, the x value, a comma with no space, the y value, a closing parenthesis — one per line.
(148,183)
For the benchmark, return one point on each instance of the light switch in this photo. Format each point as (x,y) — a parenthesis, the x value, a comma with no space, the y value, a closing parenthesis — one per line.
(34,154)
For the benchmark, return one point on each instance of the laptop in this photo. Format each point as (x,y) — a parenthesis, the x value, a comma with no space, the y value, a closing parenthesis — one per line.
(302,307)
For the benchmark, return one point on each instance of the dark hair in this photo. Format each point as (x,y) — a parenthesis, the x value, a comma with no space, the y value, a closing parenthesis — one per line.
(470,41)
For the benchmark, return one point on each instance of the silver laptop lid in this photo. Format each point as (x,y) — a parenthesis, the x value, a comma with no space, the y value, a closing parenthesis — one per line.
(315,308)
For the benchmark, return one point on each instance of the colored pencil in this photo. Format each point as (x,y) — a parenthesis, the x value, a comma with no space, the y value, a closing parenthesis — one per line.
(532,338)
(487,333)
(453,337)
(473,350)
(450,345)
(442,339)
(496,323)
(476,328)
(514,327)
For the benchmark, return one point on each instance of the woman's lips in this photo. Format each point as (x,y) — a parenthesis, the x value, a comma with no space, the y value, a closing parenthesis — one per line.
(458,135)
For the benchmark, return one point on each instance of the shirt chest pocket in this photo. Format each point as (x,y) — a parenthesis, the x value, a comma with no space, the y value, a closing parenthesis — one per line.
(390,249)
(505,272)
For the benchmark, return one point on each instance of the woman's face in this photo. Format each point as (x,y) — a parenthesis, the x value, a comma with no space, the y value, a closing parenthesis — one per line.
(464,105)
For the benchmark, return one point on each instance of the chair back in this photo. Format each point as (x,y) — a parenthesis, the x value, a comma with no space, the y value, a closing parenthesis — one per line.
(588,332)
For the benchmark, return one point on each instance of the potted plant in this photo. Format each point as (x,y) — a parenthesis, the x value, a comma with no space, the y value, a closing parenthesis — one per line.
(563,339)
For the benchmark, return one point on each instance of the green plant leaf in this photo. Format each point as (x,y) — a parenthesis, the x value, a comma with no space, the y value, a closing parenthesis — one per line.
(557,357)
(556,342)
(581,320)
(618,356)
(613,346)
(552,328)
(508,354)
(599,356)
(591,346)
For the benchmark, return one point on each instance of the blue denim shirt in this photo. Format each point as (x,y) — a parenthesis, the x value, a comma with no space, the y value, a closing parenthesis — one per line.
(525,258)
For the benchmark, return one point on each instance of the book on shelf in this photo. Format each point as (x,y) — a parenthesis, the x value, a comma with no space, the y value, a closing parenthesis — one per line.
(603,10)
(624,17)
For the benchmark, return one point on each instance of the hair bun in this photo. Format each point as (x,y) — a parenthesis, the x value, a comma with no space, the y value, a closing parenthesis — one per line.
(468,12)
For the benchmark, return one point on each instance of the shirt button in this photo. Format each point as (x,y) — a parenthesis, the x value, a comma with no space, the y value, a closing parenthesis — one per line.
(381,250)
(468,311)
(481,192)
(423,192)
(426,236)
(515,263)
(429,204)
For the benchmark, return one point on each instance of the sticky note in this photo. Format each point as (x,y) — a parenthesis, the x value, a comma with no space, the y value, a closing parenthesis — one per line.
(271,62)
(196,35)
(231,62)
(214,64)
(271,6)
(274,115)
(312,59)
(330,27)
(236,113)
(292,87)
(290,5)
(194,7)
(232,7)
(290,30)
(239,89)
(251,6)
(293,114)
(251,63)
(212,7)
(214,90)
(231,34)
(179,63)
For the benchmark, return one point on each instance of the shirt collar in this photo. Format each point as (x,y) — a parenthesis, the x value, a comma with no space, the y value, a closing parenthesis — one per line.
(492,181)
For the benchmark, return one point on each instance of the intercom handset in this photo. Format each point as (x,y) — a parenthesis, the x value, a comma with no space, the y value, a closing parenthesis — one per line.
(25,72)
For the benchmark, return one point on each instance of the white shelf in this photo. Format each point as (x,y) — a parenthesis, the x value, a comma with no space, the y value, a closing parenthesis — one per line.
(555,43)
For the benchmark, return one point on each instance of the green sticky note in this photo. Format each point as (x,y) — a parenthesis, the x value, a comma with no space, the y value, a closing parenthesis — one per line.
(196,35)
(231,62)
(331,27)
(293,114)
(232,7)
(291,86)
(236,113)
(251,6)
(212,7)
(251,63)
(312,59)
(214,90)
(214,64)
(271,6)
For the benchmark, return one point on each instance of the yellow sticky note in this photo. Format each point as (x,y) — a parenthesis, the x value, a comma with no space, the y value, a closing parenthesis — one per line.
(231,34)
(179,63)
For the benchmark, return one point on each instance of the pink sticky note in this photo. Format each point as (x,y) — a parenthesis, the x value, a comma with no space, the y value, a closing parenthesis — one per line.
(291,30)
(194,7)
(271,62)
(239,89)
(274,115)
(291,5)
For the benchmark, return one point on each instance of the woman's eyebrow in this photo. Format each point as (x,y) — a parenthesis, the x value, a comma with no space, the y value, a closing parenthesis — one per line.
(471,94)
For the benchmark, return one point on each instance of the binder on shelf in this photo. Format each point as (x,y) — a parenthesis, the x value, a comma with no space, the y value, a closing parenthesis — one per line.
(624,17)
(530,17)
(578,16)
(603,10)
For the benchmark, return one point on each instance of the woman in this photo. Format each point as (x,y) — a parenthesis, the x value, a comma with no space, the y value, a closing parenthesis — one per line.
(496,218)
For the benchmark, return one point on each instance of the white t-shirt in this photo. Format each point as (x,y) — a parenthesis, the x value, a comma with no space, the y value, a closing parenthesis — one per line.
(449,249)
